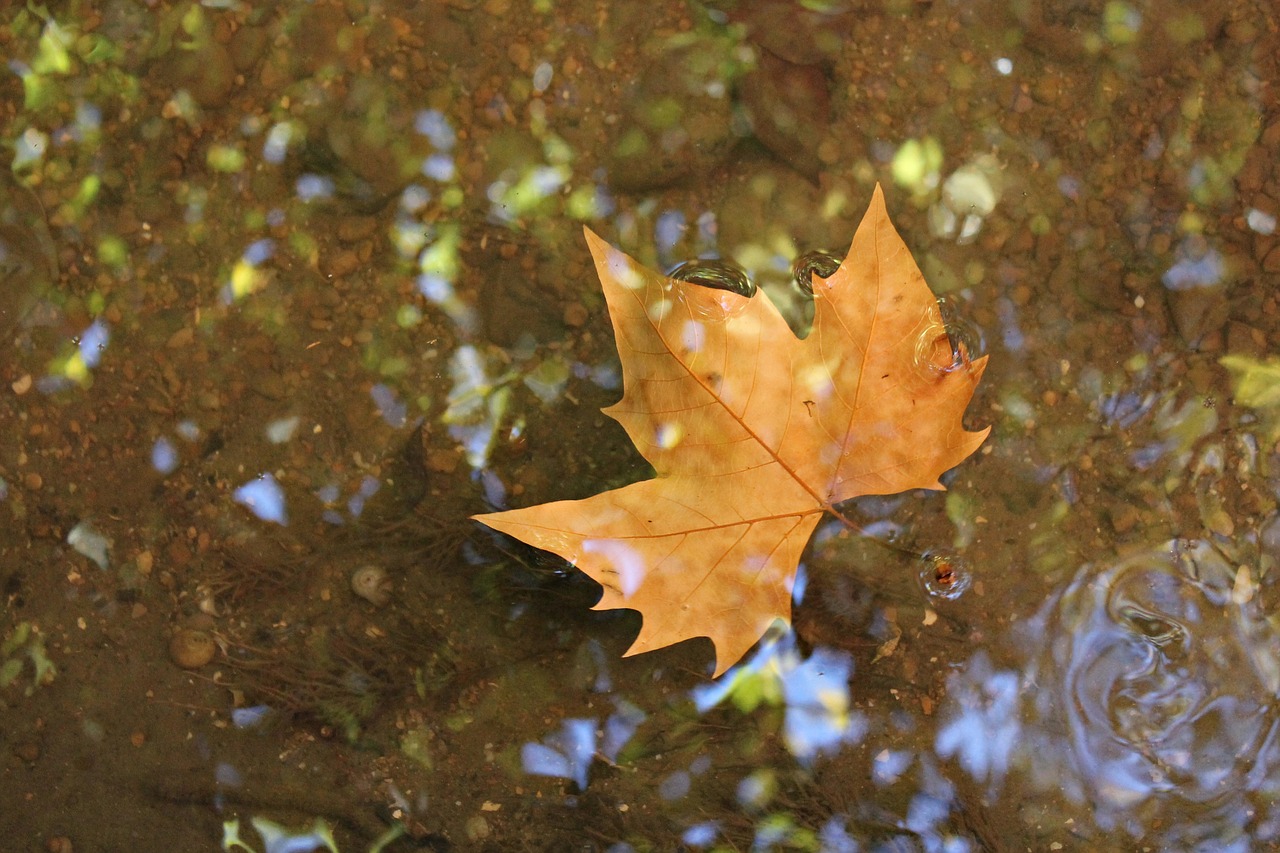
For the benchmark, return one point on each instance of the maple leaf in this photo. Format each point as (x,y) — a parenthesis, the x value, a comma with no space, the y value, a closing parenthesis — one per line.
(754,434)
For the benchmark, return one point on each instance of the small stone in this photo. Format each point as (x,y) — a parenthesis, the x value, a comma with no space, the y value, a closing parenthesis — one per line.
(1123,518)
(207,74)
(443,461)
(33,481)
(22,384)
(181,339)
(1243,31)
(575,315)
(477,828)
(27,751)
(270,385)
(355,228)
(247,46)
(1245,339)
(1199,314)
(59,844)
(1271,136)
(344,263)
(191,649)
(785,103)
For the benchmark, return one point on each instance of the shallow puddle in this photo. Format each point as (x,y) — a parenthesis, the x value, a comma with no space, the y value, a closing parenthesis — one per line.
(290,291)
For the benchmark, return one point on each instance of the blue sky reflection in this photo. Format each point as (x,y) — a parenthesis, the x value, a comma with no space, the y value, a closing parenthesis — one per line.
(818,719)
(981,726)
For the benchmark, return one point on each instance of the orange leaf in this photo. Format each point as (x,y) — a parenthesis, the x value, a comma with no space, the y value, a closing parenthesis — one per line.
(754,434)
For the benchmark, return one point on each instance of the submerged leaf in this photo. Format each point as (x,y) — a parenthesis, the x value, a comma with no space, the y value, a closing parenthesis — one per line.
(1257,383)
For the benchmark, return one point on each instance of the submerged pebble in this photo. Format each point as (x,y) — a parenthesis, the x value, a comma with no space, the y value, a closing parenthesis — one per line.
(191,649)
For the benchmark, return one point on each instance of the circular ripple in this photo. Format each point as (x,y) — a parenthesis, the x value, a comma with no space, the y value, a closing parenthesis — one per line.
(1158,692)
(944,574)
(820,262)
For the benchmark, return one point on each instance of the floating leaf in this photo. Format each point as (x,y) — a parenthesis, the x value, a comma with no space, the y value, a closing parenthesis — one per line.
(754,434)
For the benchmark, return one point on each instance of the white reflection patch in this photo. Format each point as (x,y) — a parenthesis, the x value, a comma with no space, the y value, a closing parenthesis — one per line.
(164,456)
(693,336)
(1260,221)
(668,435)
(566,754)
(627,562)
(623,270)
(982,725)
(88,542)
(658,310)
(264,498)
(282,430)
(818,719)
(816,382)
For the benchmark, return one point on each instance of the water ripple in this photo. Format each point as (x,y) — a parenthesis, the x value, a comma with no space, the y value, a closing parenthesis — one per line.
(1156,697)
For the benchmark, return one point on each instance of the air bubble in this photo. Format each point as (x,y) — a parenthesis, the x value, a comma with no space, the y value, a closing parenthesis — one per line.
(818,262)
(944,574)
(955,344)
(719,275)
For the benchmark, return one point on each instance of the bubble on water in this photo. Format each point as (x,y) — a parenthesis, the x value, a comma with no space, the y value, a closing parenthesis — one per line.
(944,574)
(820,262)
(720,275)
(727,288)
(954,344)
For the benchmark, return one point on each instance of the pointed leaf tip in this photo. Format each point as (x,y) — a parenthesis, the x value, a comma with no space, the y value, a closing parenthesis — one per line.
(877,200)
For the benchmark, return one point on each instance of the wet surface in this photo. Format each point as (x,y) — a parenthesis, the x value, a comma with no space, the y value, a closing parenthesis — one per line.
(290,291)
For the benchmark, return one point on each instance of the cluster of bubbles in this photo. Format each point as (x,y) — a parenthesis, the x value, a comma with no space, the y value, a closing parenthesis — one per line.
(940,348)
(726,275)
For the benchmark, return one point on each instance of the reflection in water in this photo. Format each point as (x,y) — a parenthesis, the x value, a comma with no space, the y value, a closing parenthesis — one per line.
(76,359)
(568,753)
(86,540)
(983,727)
(1261,221)
(815,691)
(164,456)
(180,173)
(480,400)
(477,405)
(246,277)
(1155,698)
(1198,265)
(969,195)
(264,498)
(277,838)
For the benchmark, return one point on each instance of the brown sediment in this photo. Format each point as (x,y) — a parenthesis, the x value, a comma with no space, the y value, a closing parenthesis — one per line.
(256,791)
